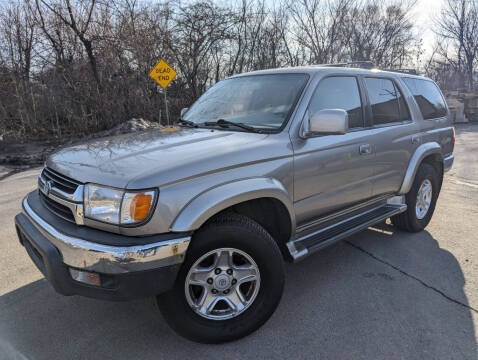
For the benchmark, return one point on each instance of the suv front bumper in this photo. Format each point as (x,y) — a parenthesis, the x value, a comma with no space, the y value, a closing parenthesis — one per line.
(126,272)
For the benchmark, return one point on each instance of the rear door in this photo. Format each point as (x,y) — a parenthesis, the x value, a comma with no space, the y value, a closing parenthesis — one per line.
(395,134)
(433,108)
(334,171)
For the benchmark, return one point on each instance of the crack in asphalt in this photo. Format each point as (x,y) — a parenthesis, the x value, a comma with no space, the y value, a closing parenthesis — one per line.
(438,291)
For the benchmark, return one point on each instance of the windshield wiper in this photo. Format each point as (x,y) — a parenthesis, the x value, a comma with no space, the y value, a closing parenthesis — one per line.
(187,122)
(227,123)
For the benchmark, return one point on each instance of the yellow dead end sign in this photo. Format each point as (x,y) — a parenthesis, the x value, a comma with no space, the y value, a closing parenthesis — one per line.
(162,73)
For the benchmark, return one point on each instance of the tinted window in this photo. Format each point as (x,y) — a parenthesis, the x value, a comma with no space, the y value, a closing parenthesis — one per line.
(384,100)
(339,92)
(428,97)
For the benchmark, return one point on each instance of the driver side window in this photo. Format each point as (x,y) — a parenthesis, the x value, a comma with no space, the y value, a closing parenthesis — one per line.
(339,92)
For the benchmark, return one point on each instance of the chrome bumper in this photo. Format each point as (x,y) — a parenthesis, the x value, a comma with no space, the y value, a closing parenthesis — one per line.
(448,163)
(87,255)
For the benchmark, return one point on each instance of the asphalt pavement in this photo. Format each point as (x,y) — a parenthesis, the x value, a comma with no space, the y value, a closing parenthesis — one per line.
(381,294)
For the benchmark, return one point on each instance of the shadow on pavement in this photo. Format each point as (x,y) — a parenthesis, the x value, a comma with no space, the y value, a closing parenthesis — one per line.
(338,304)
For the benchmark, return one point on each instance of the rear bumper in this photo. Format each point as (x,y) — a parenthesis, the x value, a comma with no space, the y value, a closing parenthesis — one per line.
(448,163)
(126,272)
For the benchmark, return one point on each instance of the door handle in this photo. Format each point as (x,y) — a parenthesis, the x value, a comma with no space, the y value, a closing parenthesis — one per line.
(415,139)
(365,149)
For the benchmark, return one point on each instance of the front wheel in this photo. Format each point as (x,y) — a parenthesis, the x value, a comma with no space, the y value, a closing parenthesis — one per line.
(421,200)
(229,285)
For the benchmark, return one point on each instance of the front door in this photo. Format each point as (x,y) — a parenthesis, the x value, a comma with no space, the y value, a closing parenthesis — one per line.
(334,171)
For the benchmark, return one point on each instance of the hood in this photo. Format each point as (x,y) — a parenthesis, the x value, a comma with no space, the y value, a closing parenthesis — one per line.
(154,158)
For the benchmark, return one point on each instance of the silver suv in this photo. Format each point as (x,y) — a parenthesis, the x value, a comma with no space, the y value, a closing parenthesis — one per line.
(265,167)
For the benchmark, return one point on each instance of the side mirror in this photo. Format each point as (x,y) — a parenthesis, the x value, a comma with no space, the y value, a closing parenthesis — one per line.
(327,122)
(183,111)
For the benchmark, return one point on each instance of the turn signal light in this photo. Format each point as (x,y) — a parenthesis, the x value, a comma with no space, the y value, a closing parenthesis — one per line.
(137,206)
(140,206)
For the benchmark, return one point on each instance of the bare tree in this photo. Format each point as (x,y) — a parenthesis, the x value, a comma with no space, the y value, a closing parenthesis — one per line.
(17,42)
(318,25)
(380,32)
(458,27)
(70,67)
(18,35)
(78,21)
(195,30)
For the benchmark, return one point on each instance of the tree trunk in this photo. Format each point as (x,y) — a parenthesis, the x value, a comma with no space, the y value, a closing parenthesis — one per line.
(92,60)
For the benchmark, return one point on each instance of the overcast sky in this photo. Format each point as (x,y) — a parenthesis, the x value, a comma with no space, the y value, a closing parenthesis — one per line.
(424,13)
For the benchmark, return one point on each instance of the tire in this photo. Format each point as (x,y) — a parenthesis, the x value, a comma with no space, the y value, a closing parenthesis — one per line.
(409,220)
(230,231)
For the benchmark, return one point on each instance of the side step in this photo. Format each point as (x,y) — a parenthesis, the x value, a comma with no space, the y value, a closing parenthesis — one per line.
(321,238)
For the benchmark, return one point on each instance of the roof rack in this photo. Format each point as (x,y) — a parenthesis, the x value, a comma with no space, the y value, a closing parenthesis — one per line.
(369,65)
(353,64)
(403,71)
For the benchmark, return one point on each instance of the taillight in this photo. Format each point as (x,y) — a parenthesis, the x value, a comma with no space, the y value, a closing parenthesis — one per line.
(453,141)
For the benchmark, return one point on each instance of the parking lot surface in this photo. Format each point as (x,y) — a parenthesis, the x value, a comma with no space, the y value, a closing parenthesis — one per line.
(381,294)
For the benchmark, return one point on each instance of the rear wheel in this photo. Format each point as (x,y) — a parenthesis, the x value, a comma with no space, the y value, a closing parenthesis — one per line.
(421,200)
(230,283)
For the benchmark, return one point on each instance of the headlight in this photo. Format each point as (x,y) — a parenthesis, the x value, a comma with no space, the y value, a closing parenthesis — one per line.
(102,203)
(116,206)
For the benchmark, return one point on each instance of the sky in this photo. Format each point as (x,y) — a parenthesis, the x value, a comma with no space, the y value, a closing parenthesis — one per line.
(424,13)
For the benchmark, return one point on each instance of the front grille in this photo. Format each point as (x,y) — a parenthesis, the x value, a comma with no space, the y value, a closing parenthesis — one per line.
(59,181)
(57,208)
(58,193)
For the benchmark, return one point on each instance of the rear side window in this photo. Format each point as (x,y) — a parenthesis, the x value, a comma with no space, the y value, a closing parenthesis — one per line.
(339,92)
(428,97)
(388,104)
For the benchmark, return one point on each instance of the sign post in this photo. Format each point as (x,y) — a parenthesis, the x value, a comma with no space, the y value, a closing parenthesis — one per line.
(166,105)
(163,74)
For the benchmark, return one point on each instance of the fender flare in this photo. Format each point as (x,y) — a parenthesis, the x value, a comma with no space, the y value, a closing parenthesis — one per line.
(421,153)
(218,198)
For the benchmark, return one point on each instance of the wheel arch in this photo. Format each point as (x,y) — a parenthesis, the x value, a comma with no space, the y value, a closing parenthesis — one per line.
(430,153)
(253,197)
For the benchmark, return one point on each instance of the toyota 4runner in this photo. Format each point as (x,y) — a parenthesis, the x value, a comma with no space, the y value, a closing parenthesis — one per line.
(264,167)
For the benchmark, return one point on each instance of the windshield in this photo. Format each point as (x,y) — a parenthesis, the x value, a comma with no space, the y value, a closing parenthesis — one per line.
(260,101)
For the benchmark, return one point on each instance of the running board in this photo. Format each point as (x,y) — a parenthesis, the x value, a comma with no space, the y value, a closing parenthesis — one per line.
(310,243)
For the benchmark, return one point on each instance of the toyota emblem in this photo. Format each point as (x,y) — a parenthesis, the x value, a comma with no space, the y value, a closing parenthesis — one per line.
(47,187)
